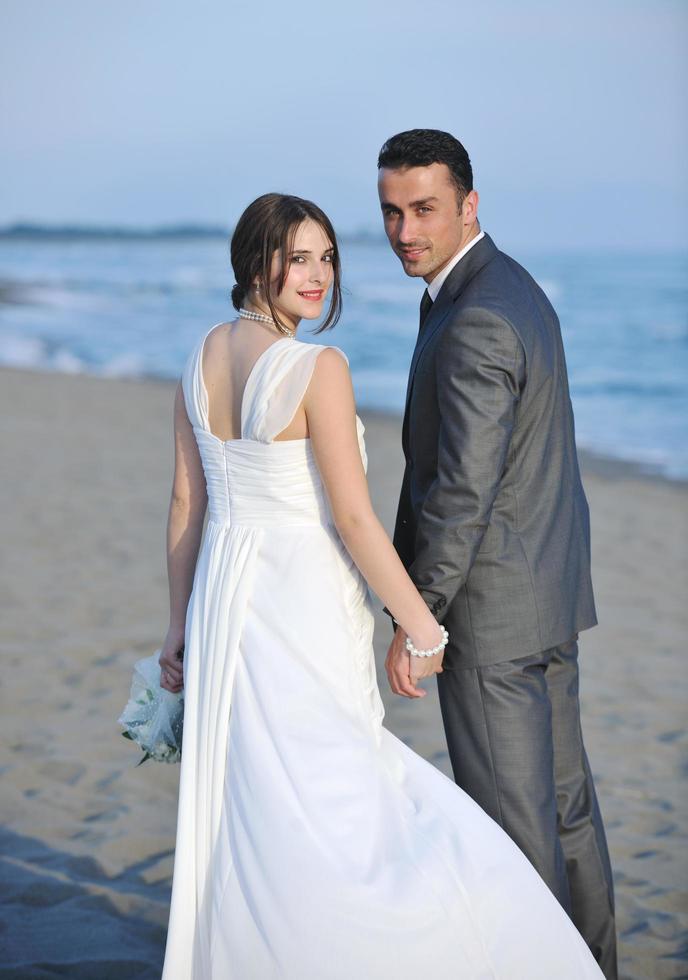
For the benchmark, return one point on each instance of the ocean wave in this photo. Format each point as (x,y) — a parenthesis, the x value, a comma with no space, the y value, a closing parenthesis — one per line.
(129,365)
(662,390)
(666,462)
(22,352)
(40,353)
(407,292)
(669,331)
(59,295)
(98,293)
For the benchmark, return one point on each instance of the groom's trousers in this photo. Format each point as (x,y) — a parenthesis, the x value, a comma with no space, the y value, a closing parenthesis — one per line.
(516,746)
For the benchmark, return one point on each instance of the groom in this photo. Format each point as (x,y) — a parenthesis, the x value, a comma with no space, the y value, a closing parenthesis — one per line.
(493,527)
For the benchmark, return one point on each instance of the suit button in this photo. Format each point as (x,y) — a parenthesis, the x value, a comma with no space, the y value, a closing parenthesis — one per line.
(404,521)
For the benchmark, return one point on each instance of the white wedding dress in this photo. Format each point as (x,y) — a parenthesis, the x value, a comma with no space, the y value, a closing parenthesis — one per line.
(311,843)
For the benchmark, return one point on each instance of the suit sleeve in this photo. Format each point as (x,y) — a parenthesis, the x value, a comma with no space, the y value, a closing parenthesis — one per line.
(480,372)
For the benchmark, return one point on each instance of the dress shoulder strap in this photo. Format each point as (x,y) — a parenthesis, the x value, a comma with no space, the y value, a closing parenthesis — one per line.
(276,388)
(195,395)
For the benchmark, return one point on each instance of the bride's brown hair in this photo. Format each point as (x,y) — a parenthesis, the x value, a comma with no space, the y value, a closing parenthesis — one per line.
(268,225)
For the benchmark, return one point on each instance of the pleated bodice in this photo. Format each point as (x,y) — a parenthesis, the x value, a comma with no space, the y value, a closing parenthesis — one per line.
(260,484)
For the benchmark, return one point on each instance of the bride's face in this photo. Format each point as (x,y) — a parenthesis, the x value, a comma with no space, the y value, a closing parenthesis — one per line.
(309,275)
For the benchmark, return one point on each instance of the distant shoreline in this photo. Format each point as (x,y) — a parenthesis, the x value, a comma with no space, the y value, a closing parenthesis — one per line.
(19,231)
(37,231)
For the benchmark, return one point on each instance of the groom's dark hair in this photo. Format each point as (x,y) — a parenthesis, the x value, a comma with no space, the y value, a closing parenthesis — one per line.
(423,147)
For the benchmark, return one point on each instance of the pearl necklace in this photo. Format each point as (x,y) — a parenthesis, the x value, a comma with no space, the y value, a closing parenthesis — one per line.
(263,318)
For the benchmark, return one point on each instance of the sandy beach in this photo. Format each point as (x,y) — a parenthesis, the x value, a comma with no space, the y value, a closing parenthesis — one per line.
(87,837)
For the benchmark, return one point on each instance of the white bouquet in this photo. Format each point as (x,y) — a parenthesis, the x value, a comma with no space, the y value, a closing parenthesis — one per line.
(153,717)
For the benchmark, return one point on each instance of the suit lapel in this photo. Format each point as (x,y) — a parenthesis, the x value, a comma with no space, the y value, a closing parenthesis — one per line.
(456,281)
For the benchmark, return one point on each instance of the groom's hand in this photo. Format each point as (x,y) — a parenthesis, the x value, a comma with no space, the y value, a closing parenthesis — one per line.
(402,674)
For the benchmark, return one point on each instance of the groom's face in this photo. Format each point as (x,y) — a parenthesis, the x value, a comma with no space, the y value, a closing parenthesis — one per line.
(423,219)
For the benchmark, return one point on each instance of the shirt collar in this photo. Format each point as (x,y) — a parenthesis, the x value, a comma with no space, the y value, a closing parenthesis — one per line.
(439,280)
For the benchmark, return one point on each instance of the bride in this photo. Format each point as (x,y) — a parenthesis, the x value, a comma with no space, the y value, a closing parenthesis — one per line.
(311,843)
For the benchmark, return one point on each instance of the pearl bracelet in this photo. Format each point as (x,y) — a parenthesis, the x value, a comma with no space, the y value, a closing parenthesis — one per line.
(428,653)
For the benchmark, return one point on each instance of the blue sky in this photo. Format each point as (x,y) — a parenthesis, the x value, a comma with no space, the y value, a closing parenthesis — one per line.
(161,111)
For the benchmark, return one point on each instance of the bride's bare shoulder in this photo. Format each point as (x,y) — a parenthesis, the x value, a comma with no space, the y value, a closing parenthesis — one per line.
(330,373)
(217,335)
(216,348)
(331,362)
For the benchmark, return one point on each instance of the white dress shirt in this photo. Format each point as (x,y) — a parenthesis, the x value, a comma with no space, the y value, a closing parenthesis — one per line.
(437,283)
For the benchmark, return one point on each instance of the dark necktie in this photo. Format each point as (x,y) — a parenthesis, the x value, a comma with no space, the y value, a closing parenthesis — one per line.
(425,307)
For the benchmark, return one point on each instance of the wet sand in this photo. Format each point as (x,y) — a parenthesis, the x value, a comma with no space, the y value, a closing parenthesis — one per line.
(87,837)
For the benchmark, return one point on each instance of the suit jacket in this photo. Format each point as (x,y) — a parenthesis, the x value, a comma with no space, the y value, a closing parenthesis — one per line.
(493,523)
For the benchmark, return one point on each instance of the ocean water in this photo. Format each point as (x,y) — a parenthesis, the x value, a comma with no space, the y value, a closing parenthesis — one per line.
(135,307)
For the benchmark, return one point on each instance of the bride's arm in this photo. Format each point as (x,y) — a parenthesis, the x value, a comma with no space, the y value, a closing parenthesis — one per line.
(331,414)
(184,528)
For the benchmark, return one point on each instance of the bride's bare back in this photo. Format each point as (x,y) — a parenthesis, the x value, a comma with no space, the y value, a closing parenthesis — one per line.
(230,353)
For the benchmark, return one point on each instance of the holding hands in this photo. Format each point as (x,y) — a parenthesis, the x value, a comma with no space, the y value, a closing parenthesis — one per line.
(404,670)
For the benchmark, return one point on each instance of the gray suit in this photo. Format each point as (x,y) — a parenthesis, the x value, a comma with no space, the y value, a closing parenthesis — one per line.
(493,527)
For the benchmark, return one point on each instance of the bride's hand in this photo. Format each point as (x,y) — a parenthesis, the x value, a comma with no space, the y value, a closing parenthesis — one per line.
(170,660)
(404,671)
